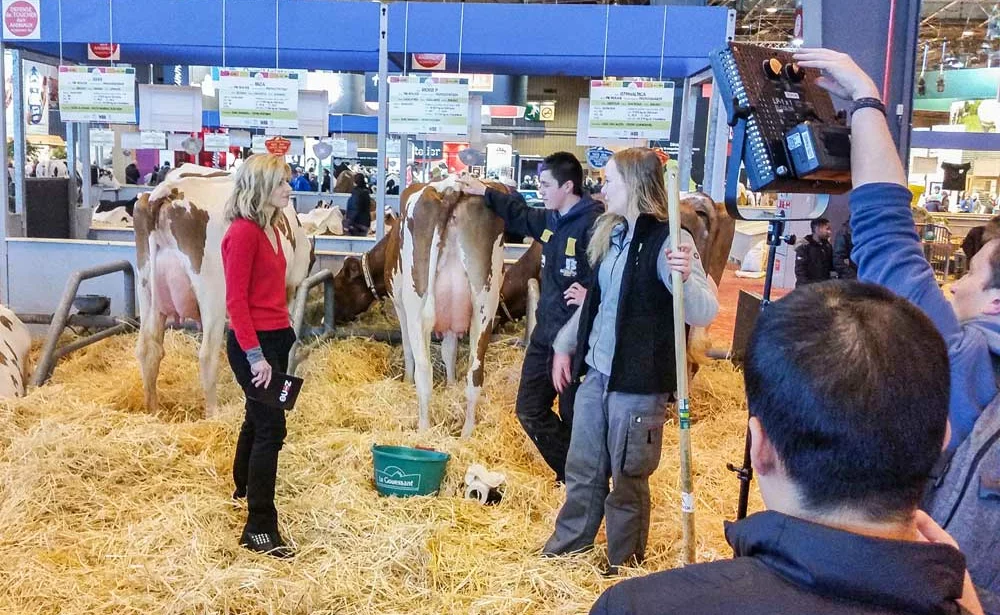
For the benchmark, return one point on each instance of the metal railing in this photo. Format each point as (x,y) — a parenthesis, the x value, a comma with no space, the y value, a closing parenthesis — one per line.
(61,318)
(324,277)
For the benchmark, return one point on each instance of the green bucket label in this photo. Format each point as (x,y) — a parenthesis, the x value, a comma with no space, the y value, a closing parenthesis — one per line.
(395,478)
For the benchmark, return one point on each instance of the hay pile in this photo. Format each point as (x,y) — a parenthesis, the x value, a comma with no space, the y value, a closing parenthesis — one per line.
(107,509)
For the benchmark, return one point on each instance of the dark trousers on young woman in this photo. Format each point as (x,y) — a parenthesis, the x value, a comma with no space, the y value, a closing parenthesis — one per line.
(617,436)
(255,467)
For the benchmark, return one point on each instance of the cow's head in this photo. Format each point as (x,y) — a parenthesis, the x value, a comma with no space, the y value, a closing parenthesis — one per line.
(351,291)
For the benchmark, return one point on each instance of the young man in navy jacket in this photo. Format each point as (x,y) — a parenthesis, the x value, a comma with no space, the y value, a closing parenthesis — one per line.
(564,228)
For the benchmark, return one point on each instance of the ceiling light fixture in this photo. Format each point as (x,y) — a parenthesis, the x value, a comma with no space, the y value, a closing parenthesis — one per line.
(772,9)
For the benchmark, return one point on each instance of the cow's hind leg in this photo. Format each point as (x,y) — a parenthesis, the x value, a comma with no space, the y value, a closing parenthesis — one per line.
(479,339)
(419,334)
(213,318)
(449,353)
(149,352)
(397,303)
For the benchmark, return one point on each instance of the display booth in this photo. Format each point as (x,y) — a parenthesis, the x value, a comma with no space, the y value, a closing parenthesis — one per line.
(627,42)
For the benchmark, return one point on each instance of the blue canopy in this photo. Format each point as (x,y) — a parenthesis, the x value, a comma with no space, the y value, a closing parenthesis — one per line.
(515,39)
(319,35)
(560,39)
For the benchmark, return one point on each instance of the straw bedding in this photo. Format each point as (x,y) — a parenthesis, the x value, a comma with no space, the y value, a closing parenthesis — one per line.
(108,509)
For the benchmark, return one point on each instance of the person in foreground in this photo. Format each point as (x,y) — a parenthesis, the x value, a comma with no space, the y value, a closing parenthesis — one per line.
(964,496)
(842,444)
(623,340)
(259,339)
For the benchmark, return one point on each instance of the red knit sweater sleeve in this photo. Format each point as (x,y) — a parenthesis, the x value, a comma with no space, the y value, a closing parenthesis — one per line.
(239,248)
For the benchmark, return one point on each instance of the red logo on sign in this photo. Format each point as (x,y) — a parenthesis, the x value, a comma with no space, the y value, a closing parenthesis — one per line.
(278,146)
(428,60)
(21,19)
(103,51)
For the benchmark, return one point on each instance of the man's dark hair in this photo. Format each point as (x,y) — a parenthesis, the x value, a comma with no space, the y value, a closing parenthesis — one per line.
(818,222)
(565,168)
(360,181)
(856,407)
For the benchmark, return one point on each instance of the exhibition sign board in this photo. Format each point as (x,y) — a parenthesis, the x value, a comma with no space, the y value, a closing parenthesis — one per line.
(630,109)
(100,137)
(428,105)
(22,19)
(258,99)
(97,94)
(258,145)
(170,108)
(104,51)
(216,142)
(152,139)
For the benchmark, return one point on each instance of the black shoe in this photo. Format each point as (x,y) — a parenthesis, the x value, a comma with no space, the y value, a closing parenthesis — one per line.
(609,572)
(267,543)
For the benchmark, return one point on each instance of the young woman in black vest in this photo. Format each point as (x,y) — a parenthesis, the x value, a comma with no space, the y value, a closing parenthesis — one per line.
(622,340)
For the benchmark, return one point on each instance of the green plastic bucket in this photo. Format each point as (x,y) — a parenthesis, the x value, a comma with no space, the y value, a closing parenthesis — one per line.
(404,471)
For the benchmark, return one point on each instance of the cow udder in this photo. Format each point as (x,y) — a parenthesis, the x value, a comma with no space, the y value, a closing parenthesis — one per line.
(452,294)
(174,293)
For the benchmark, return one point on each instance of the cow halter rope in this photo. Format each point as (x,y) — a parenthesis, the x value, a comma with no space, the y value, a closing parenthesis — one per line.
(369,280)
(680,360)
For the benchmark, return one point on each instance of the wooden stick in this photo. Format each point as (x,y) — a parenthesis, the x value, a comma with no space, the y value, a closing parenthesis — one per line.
(680,358)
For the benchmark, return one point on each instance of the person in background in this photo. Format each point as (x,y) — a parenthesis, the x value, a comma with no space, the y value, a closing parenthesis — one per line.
(932,202)
(845,268)
(162,173)
(964,495)
(359,204)
(814,256)
(841,456)
(622,340)
(299,182)
(966,205)
(564,228)
(131,174)
(313,182)
(259,339)
(325,187)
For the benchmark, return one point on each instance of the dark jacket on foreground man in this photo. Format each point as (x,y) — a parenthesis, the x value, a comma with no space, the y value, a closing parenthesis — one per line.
(786,565)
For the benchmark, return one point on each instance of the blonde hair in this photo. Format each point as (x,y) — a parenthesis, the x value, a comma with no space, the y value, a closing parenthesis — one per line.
(642,172)
(254,182)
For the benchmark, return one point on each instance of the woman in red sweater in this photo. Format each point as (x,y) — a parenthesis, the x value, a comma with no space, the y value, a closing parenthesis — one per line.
(260,337)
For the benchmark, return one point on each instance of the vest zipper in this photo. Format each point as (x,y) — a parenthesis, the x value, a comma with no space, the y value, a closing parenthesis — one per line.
(968,478)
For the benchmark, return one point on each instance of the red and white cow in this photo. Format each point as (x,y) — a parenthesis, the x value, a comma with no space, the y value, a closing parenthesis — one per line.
(178,238)
(15,344)
(444,269)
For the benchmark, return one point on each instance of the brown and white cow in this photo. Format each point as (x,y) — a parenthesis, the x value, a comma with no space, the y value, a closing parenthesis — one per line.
(712,229)
(514,291)
(344,182)
(361,281)
(178,237)
(15,344)
(444,265)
